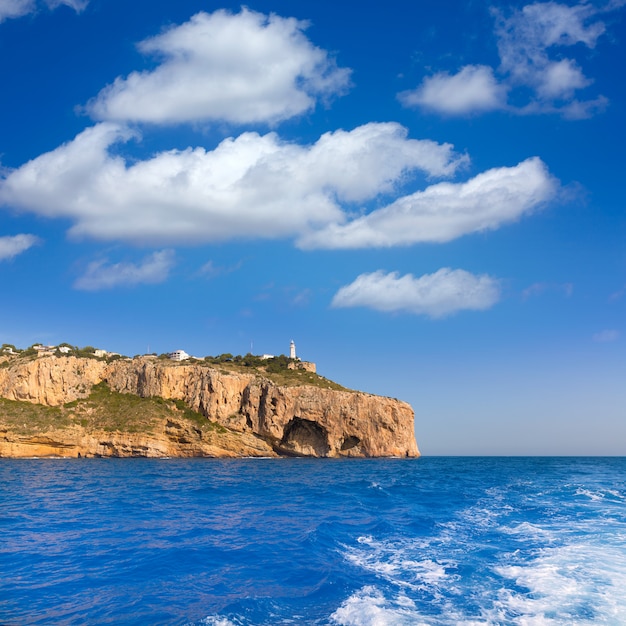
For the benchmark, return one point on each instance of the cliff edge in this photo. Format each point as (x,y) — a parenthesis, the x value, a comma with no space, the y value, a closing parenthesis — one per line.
(71,406)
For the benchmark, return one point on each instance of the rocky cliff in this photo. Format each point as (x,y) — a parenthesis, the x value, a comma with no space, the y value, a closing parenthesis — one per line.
(245,413)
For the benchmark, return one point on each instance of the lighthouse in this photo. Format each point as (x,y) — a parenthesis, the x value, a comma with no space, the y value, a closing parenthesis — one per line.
(292,349)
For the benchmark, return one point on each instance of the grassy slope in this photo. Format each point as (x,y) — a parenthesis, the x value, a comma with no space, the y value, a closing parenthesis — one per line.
(111,411)
(102,410)
(283,377)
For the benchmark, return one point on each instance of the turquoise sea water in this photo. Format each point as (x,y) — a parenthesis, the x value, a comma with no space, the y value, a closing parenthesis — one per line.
(441,541)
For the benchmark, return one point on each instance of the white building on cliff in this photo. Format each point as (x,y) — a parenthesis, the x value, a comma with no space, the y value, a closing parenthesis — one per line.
(178,355)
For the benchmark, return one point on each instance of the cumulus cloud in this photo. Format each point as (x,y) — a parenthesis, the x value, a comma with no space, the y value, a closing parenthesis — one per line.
(525,37)
(101,275)
(11,246)
(18,8)
(251,186)
(530,43)
(436,295)
(240,68)
(445,211)
(473,89)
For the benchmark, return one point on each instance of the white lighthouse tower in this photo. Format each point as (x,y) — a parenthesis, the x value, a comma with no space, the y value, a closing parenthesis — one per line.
(292,349)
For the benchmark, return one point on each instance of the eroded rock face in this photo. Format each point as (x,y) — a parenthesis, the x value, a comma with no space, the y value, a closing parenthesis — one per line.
(333,423)
(51,381)
(173,438)
(290,420)
(304,437)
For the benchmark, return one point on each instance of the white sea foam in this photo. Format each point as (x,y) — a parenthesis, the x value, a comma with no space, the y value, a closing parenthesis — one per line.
(483,515)
(592,495)
(606,495)
(216,620)
(396,562)
(530,531)
(578,583)
(563,570)
(369,607)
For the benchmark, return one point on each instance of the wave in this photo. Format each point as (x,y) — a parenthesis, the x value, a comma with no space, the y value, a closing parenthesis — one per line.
(369,607)
(538,560)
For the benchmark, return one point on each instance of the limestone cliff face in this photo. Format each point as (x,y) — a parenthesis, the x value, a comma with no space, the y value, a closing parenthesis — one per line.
(207,390)
(51,381)
(303,420)
(321,422)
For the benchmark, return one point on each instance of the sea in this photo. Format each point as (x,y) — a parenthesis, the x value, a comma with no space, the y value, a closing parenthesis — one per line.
(213,542)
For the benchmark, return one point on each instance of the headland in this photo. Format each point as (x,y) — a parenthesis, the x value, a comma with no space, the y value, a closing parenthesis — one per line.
(76,403)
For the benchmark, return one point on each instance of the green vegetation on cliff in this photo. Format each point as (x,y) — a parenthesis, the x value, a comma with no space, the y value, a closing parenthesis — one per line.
(281,370)
(25,418)
(103,410)
(282,376)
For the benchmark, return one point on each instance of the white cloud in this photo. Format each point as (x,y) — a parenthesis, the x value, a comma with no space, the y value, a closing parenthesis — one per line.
(606,336)
(15,8)
(473,89)
(531,43)
(435,295)
(525,36)
(577,110)
(560,79)
(618,295)
(18,8)
(240,68)
(11,246)
(302,298)
(77,5)
(445,211)
(100,275)
(211,270)
(538,289)
(251,186)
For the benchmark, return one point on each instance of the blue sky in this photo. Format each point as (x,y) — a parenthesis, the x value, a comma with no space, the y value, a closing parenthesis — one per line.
(427,197)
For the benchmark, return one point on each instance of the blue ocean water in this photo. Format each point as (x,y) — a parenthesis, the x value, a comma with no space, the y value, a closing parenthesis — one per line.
(440,541)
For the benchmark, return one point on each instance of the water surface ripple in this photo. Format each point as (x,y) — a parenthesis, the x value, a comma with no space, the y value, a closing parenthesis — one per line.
(439,541)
